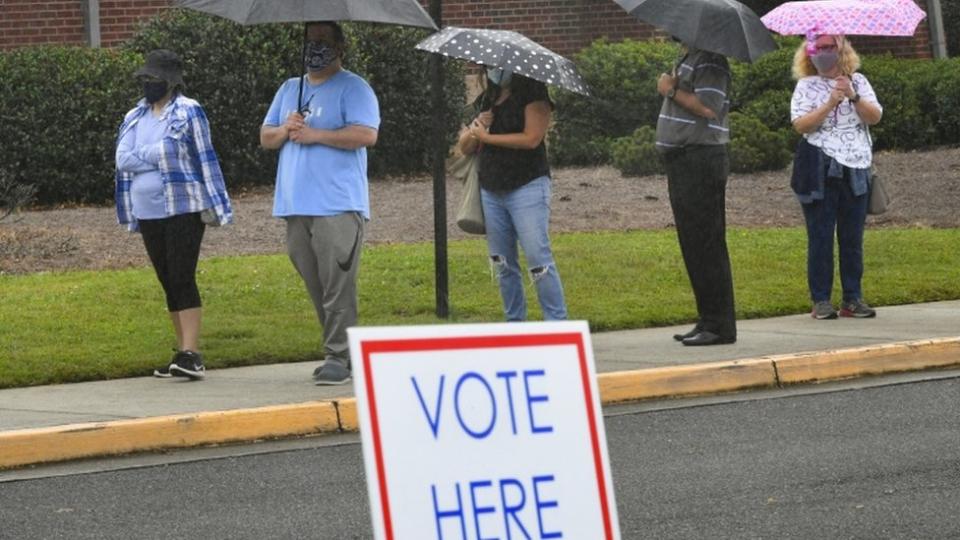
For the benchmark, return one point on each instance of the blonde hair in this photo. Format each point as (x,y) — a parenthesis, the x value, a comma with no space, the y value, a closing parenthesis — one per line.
(849,61)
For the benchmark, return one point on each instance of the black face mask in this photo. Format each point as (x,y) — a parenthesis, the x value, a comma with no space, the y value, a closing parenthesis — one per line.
(318,56)
(153,91)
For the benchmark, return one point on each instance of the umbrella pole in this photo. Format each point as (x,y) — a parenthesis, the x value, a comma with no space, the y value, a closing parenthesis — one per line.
(439,175)
(303,54)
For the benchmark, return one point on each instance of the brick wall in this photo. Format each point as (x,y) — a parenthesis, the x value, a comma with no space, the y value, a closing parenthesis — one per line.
(565,26)
(119,18)
(916,46)
(25,22)
(30,22)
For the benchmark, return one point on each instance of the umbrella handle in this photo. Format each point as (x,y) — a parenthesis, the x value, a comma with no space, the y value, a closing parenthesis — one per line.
(300,107)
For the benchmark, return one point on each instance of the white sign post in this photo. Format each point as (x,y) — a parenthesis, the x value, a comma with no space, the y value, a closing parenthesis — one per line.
(482,432)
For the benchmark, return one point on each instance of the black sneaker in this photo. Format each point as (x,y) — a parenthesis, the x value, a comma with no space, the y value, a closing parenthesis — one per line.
(330,374)
(164,372)
(188,364)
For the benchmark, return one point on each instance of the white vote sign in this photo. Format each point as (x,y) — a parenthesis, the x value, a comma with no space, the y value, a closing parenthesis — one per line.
(481,432)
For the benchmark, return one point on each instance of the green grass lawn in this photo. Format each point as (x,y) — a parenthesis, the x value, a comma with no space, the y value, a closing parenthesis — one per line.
(74,326)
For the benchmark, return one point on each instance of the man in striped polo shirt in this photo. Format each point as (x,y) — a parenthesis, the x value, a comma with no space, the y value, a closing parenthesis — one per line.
(692,135)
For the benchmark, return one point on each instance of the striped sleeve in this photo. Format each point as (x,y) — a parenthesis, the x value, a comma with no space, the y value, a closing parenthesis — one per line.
(711,82)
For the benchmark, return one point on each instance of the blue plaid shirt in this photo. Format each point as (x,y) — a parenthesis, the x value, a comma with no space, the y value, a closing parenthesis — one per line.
(192,179)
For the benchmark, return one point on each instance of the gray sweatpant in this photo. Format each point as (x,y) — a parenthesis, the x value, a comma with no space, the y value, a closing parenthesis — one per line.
(326,253)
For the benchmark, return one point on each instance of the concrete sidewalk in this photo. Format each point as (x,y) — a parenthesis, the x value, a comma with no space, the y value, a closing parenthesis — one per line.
(634,364)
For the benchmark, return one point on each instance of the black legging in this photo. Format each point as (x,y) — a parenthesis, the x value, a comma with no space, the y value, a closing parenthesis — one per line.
(173,245)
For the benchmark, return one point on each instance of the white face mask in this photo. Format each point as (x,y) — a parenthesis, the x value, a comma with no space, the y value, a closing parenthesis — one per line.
(499,76)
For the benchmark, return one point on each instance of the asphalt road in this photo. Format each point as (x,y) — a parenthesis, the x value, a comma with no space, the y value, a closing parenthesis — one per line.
(878,462)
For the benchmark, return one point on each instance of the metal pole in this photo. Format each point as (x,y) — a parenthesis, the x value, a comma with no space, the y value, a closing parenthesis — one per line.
(91,22)
(439,176)
(938,40)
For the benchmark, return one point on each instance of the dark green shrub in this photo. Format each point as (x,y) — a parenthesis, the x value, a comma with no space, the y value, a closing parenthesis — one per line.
(402,79)
(754,147)
(905,124)
(769,73)
(14,194)
(946,99)
(772,108)
(636,154)
(623,79)
(60,108)
(234,71)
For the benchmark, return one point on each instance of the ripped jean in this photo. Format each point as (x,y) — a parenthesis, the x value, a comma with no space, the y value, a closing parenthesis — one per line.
(523,215)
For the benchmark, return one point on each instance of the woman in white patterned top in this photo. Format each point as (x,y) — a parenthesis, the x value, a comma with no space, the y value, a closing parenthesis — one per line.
(832,107)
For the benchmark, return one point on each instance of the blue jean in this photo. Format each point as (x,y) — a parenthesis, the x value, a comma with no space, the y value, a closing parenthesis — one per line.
(842,212)
(523,215)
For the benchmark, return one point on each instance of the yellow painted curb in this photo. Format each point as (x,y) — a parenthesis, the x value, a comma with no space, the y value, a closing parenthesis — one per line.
(869,360)
(714,377)
(61,443)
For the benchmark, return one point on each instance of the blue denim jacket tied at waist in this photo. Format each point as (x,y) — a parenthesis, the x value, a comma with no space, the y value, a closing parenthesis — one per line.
(812,167)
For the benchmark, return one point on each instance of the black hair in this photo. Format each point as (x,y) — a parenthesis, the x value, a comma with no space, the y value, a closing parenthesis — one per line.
(520,86)
(338,36)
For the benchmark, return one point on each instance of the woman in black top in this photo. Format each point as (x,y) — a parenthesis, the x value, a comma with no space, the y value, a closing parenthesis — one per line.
(515,188)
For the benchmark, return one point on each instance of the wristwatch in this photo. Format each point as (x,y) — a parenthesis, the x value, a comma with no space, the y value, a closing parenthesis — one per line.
(671,92)
(855,98)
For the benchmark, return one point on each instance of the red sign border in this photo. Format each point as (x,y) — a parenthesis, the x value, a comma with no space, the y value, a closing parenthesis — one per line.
(370,347)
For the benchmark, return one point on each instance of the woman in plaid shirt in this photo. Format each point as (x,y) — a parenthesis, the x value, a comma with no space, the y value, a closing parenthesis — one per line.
(169,187)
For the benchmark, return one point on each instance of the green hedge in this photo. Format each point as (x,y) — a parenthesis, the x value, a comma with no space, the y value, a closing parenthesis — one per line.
(637,154)
(771,72)
(755,147)
(623,78)
(60,108)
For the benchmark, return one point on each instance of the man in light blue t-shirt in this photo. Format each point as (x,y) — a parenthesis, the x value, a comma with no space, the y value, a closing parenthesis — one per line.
(322,124)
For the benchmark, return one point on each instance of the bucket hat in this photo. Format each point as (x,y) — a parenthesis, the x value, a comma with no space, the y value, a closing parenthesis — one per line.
(163,64)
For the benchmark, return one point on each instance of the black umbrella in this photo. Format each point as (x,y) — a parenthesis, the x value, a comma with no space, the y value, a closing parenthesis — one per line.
(725,27)
(508,50)
(401,12)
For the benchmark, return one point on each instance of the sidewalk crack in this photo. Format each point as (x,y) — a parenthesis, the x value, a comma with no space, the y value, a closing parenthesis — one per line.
(336,408)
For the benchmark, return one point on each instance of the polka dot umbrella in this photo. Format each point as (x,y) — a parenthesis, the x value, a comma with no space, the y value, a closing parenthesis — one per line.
(508,50)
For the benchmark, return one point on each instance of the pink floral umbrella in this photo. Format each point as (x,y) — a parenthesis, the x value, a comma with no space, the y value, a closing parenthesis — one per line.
(849,17)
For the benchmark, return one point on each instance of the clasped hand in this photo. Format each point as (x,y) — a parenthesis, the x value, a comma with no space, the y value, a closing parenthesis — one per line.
(297,129)
(842,89)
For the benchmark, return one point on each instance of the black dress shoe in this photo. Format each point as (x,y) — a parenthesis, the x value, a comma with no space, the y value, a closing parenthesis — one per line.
(691,333)
(707,338)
